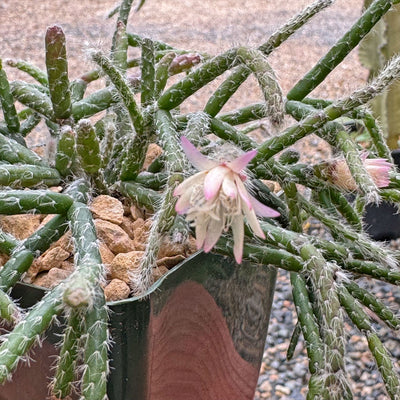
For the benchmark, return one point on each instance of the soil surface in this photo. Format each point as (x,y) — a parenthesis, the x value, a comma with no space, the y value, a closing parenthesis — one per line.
(212,26)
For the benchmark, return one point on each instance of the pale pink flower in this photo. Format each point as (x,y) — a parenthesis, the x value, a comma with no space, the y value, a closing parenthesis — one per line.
(216,199)
(378,169)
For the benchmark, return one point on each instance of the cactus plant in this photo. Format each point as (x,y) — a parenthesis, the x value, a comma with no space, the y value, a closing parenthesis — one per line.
(107,157)
(379,46)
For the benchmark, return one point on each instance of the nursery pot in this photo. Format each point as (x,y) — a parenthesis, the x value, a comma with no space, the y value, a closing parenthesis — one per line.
(199,334)
(382,221)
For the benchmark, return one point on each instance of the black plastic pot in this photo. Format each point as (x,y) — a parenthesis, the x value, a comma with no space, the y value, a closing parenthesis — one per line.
(200,334)
(382,222)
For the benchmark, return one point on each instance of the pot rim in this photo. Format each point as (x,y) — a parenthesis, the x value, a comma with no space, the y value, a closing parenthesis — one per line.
(149,291)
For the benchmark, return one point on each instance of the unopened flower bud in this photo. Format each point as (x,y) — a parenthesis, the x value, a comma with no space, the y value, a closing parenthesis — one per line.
(183,62)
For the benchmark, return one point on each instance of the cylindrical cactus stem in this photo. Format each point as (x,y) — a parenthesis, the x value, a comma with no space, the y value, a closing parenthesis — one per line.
(299,110)
(173,153)
(9,311)
(323,279)
(196,127)
(33,201)
(77,88)
(356,167)
(264,254)
(391,195)
(134,155)
(29,124)
(377,137)
(295,23)
(228,132)
(147,72)
(65,155)
(57,72)
(269,198)
(7,242)
(123,14)
(13,152)
(152,181)
(373,270)
(135,40)
(83,289)
(308,323)
(386,366)
(340,50)
(35,244)
(241,73)
(88,147)
(365,246)
(162,73)
(244,114)
(295,218)
(41,239)
(127,96)
(164,218)
(382,357)
(251,127)
(291,241)
(84,235)
(226,90)
(120,46)
(65,375)
(19,263)
(146,197)
(107,142)
(80,288)
(19,341)
(370,301)
(206,73)
(23,176)
(294,339)
(345,208)
(94,103)
(7,102)
(95,360)
(257,63)
(25,66)
(316,120)
(33,98)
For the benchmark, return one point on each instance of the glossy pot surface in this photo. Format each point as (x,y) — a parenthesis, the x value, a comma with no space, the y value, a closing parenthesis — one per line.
(198,335)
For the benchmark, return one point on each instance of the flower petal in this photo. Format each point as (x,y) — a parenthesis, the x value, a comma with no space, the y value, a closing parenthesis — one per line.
(229,187)
(213,181)
(238,236)
(183,203)
(198,160)
(214,231)
(188,183)
(244,194)
(253,221)
(379,169)
(238,164)
(201,230)
(262,210)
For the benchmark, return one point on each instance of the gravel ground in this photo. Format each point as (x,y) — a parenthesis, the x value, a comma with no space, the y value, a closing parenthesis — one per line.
(212,26)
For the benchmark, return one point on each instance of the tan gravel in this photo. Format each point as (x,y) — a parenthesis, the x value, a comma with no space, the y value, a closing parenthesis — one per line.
(209,25)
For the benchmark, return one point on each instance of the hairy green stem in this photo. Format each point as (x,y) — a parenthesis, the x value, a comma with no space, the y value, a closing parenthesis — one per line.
(340,50)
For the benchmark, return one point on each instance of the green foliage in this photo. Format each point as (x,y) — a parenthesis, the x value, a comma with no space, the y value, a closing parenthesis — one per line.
(107,156)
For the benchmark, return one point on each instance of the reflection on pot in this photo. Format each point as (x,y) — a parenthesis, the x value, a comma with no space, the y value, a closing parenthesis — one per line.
(198,335)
